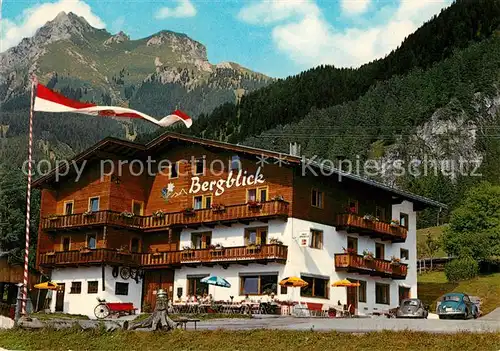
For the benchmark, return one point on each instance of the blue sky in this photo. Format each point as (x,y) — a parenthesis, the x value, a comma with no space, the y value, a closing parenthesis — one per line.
(275,37)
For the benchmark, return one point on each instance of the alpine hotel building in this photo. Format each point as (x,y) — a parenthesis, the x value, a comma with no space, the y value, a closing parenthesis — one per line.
(124,235)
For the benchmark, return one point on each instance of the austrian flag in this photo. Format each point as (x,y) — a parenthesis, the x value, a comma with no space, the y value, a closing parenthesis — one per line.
(47,100)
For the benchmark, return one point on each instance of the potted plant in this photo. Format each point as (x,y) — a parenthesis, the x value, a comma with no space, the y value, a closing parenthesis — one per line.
(253,246)
(394,223)
(189,211)
(156,253)
(187,248)
(127,214)
(350,210)
(84,250)
(369,217)
(88,213)
(368,255)
(350,251)
(217,208)
(50,253)
(275,241)
(124,250)
(395,261)
(254,204)
(158,214)
(278,198)
(53,217)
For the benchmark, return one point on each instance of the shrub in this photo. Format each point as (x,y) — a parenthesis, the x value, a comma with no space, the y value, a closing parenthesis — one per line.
(461,269)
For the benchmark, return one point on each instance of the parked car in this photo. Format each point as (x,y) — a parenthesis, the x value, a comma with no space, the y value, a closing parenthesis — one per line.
(412,308)
(456,305)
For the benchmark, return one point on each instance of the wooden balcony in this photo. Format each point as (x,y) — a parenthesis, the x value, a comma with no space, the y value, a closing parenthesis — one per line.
(97,218)
(89,257)
(230,214)
(357,264)
(241,255)
(375,229)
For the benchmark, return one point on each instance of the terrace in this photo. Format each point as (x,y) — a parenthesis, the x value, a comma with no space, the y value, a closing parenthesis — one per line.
(243,213)
(372,228)
(262,254)
(353,263)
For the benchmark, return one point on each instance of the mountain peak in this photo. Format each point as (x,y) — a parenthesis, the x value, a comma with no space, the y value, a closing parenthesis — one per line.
(117,38)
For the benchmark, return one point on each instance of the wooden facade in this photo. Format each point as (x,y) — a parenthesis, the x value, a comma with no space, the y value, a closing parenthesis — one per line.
(137,221)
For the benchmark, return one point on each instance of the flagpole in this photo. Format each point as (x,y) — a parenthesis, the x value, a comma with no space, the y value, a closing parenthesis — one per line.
(28,200)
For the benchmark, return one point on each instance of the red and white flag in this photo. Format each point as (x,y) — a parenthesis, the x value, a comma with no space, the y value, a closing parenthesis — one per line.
(47,100)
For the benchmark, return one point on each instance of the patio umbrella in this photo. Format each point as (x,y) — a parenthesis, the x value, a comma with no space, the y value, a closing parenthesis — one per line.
(46,286)
(345,283)
(216,281)
(293,282)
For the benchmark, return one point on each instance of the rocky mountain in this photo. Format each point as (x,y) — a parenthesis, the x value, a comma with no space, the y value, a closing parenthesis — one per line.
(69,53)
(156,74)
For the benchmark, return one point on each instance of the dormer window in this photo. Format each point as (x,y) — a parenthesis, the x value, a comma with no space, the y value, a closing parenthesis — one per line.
(235,163)
(94,204)
(68,207)
(199,166)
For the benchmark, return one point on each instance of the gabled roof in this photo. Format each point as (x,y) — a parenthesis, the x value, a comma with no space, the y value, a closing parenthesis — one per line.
(129,149)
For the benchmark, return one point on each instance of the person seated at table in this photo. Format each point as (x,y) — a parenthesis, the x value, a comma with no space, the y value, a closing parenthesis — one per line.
(210,299)
(204,298)
(188,298)
(272,297)
(247,298)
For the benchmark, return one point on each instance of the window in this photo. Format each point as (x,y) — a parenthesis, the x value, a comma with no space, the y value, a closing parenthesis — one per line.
(403,220)
(92,287)
(121,288)
(316,239)
(404,254)
(379,251)
(195,286)
(202,201)
(91,241)
(382,293)
(135,245)
(68,207)
(256,236)
(404,293)
(362,291)
(201,240)
(235,163)
(174,170)
(380,213)
(352,206)
(137,207)
(257,194)
(317,287)
(317,198)
(76,288)
(258,283)
(352,244)
(94,204)
(199,166)
(66,243)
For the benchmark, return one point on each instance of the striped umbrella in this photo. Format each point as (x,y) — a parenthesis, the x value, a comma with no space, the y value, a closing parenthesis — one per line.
(216,281)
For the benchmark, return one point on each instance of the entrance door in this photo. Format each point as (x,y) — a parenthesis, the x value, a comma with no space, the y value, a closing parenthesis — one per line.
(154,280)
(404,293)
(352,298)
(60,297)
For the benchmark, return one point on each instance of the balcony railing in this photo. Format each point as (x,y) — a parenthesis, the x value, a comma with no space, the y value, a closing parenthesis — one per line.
(378,229)
(240,254)
(357,264)
(241,212)
(89,257)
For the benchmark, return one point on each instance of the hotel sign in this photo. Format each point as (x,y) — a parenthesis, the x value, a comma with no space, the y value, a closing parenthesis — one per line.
(221,185)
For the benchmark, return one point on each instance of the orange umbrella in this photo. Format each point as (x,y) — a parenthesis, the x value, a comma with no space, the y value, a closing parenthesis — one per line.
(293,282)
(345,283)
(46,286)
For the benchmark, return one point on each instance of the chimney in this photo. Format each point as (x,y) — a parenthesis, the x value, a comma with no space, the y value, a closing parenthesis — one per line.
(295,149)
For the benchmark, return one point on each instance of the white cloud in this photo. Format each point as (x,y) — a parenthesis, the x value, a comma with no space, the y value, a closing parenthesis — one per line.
(354,6)
(306,36)
(12,32)
(184,8)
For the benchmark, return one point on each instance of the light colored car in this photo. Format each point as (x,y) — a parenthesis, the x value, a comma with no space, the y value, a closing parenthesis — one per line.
(412,308)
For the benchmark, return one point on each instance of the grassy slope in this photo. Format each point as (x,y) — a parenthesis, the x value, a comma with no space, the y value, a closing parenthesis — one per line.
(432,285)
(243,340)
(436,232)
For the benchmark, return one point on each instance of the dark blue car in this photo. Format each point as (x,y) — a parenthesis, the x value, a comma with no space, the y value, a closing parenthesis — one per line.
(457,306)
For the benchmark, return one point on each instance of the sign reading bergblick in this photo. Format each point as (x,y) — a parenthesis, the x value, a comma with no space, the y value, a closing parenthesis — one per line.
(221,185)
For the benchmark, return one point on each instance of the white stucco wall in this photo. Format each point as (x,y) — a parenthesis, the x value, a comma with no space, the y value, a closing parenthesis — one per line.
(308,260)
(84,303)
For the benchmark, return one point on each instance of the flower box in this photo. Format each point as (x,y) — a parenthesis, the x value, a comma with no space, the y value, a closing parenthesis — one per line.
(189,212)
(218,208)
(84,250)
(88,214)
(158,214)
(51,253)
(254,204)
(53,218)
